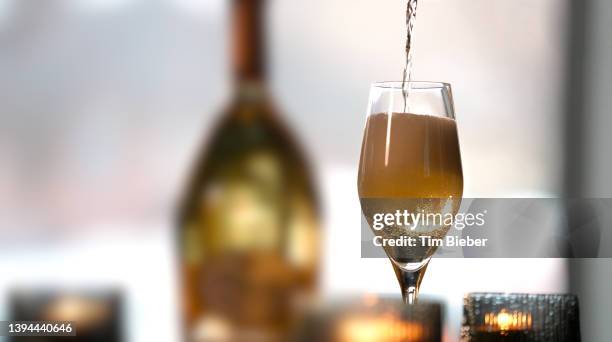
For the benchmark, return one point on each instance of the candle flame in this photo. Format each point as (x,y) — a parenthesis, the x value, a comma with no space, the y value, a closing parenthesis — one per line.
(382,329)
(505,321)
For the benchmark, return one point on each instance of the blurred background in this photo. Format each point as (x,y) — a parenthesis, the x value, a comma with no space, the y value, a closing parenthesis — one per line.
(104,105)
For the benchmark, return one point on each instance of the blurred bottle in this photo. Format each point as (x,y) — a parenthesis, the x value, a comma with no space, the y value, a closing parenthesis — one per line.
(249,225)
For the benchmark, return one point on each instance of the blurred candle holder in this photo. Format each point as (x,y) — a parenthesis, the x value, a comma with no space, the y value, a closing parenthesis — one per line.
(96,312)
(520,317)
(372,319)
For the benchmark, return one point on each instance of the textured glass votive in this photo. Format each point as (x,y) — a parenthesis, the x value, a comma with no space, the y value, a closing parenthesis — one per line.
(520,317)
(373,319)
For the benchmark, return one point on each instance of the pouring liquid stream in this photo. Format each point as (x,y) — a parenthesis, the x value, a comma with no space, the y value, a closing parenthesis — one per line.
(407,74)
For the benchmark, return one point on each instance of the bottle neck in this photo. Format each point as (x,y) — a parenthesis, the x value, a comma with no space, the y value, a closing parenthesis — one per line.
(248,56)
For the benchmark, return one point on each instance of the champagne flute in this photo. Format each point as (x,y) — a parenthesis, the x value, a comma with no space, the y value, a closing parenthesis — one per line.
(410,162)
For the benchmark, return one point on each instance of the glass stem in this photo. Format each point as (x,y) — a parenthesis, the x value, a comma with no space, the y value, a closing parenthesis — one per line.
(410,281)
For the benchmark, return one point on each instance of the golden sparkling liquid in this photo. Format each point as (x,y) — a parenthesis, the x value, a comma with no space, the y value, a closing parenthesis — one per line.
(410,162)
